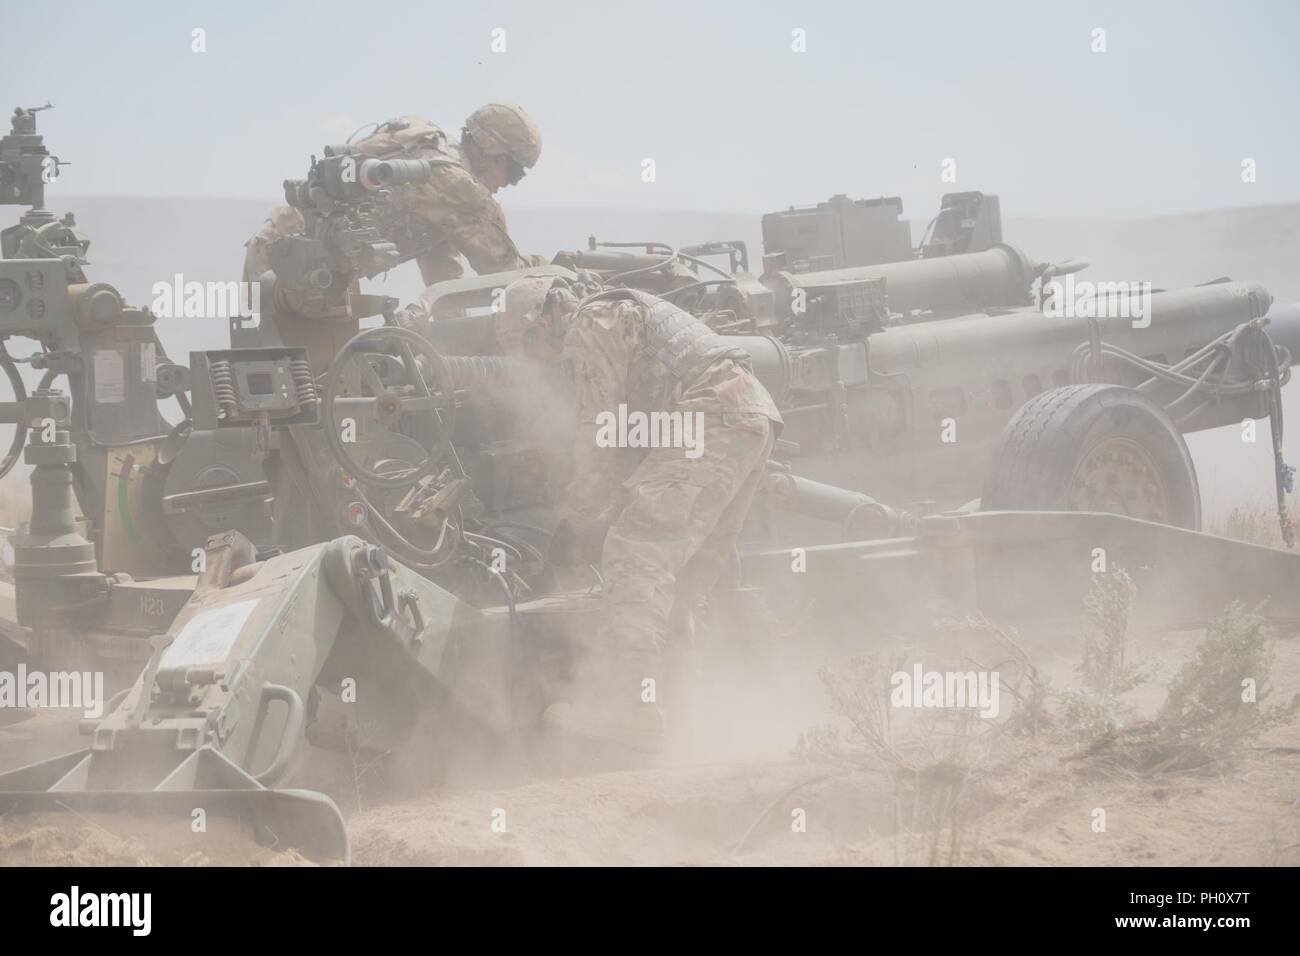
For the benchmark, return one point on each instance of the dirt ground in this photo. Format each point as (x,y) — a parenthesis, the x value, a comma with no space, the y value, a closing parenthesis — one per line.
(732,792)
(1033,802)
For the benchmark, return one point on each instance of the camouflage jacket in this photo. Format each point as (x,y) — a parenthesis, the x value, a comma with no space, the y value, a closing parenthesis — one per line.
(458,209)
(605,349)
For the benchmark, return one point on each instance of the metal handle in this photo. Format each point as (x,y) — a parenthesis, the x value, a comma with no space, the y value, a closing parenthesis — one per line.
(372,565)
(290,737)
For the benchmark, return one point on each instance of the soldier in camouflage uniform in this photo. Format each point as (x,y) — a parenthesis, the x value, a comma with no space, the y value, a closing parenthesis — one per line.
(670,512)
(499,143)
(454,213)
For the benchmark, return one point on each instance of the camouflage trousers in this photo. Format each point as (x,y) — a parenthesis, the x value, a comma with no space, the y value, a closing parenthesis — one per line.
(681,511)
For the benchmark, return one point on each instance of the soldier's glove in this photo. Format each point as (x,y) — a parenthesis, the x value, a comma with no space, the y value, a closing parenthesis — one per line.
(415,317)
(573,547)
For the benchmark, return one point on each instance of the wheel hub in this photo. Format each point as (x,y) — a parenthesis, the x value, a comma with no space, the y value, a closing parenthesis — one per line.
(1120,476)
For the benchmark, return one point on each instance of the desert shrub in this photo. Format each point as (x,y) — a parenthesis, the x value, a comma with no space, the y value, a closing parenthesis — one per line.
(1105,672)
(858,692)
(1218,701)
(932,755)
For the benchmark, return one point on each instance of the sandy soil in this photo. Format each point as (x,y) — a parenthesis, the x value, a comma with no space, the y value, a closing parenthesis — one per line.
(104,839)
(1031,800)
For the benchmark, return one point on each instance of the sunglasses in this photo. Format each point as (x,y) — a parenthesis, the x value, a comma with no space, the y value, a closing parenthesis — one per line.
(514,171)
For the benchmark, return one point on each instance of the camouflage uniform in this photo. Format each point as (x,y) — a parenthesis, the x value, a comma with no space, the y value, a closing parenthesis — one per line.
(677,509)
(463,215)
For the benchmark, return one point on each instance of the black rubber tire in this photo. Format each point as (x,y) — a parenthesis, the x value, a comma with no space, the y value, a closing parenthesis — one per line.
(1054,432)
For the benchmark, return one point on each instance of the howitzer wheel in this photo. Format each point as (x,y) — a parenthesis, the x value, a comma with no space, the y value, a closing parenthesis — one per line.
(19,440)
(1098,447)
(433,397)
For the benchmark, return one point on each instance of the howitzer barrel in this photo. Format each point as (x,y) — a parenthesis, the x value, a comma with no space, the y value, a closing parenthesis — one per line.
(470,371)
(999,276)
(983,366)
(608,260)
(771,362)
(1165,325)
(463,334)
(859,515)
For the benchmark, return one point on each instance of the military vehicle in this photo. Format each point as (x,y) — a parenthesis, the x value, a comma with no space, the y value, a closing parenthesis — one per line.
(410,475)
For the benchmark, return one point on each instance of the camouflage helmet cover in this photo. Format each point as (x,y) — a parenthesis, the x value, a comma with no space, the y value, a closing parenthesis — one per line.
(539,304)
(522,304)
(503,129)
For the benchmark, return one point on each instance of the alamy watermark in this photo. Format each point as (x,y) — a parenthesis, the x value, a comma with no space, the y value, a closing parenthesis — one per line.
(40,689)
(181,299)
(75,908)
(1068,299)
(634,429)
(946,689)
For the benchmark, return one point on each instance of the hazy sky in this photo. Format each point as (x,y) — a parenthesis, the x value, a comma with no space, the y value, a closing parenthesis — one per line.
(734,119)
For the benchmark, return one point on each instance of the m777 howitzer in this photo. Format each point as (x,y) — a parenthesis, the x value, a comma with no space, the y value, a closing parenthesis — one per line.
(242,662)
(949,375)
(1071,439)
(139,498)
(899,369)
(438,602)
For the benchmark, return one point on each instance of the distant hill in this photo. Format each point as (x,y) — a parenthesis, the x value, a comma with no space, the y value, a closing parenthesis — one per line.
(139,241)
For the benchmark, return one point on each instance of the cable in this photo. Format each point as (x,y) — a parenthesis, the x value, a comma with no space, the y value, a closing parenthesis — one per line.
(708,265)
(418,558)
(1206,374)
(482,540)
(518,526)
(696,285)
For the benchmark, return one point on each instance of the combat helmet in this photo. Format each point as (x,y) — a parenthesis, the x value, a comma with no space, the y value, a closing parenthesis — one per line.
(539,305)
(503,129)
